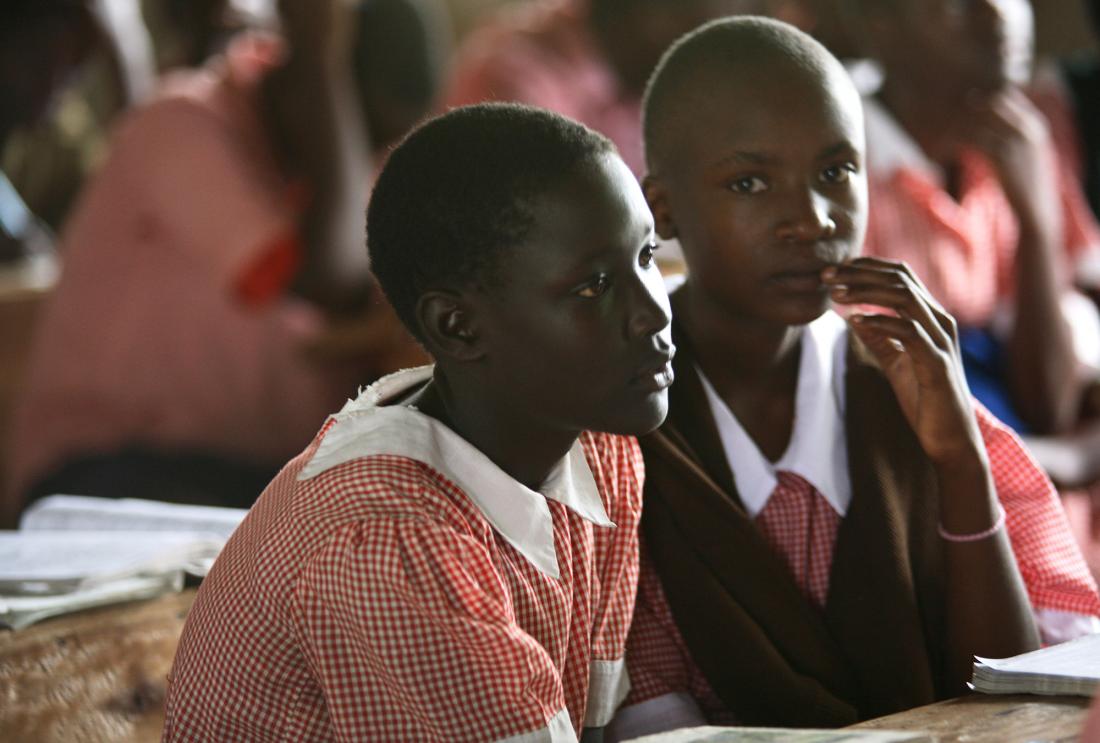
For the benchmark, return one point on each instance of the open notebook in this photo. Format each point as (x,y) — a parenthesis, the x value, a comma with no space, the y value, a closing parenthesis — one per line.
(1070,668)
(74,552)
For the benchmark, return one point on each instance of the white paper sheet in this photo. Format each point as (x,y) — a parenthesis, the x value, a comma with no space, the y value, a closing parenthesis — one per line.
(88,513)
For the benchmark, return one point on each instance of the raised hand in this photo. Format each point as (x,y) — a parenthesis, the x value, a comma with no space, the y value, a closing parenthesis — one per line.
(1009,130)
(916,345)
(1041,367)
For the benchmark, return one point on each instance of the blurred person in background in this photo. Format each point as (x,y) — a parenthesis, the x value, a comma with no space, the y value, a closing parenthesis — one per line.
(972,185)
(969,189)
(199,332)
(586,59)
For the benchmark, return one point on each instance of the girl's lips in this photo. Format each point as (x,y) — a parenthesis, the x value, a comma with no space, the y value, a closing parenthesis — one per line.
(800,281)
(655,380)
(657,374)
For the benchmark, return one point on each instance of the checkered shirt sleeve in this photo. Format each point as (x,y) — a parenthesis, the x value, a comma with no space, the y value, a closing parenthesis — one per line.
(616,463)
(414,634)
(410,631)
(375,602)
(1050,562)
(657,657)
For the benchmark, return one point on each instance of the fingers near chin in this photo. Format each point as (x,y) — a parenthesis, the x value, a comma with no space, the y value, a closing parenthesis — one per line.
(898,335)
(882,345)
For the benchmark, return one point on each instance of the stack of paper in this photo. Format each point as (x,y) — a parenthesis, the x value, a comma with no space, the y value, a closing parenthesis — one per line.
(1070,668)
(64,512)
(73,552)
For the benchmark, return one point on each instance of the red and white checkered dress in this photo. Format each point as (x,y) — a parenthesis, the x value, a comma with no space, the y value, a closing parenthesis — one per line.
(1048,558)
(370,598)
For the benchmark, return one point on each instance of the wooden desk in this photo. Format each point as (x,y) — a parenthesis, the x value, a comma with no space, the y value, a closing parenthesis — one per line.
(94,676)
(985,718)
(100,676)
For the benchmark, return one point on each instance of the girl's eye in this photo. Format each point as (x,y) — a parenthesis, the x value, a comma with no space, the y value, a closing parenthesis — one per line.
(645,258)
(595,288)
(749,184)
(838,173)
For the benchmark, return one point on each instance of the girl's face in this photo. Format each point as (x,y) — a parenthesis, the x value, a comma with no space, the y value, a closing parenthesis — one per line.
(579,335)
(770,190)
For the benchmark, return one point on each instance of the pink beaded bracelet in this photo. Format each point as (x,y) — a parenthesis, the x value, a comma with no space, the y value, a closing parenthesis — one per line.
(977,536)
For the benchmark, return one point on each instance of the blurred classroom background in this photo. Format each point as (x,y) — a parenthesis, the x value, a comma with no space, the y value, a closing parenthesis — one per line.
(65,96)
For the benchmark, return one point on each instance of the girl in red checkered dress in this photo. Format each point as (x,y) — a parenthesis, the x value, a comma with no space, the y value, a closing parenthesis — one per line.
(455,556)
(832,527)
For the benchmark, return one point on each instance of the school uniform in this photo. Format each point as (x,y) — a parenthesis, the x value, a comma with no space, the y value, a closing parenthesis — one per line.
(810,591)
(393,584)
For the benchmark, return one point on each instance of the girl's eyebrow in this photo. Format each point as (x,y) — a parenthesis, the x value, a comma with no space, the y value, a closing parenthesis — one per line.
(745,157)
(844,147)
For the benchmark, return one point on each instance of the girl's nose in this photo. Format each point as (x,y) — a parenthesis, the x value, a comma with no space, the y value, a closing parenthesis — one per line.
(808,219)
(650,311)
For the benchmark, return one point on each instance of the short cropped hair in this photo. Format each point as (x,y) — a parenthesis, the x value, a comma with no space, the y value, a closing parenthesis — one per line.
(459,191)
(724,47)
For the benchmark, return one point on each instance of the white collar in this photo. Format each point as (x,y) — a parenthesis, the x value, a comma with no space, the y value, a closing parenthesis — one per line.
(366,427)
(818,450)
(890,148)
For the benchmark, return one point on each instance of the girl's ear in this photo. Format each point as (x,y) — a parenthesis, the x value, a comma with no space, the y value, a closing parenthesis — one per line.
(656,195)
(449,326)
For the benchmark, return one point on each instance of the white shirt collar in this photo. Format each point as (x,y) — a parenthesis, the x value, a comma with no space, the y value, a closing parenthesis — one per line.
(818,450)
(366,426)
(890,148)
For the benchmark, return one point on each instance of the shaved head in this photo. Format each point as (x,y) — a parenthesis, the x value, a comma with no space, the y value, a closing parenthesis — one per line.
(725,57)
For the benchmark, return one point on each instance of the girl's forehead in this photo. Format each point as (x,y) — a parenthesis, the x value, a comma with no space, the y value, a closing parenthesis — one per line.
(759,108)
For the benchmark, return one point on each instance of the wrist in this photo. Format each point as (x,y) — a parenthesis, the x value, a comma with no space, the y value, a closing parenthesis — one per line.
(969,467)
(975,536)
(968,502)
(961,454)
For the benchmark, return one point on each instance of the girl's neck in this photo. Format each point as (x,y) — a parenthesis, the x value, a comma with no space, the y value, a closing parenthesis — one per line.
(745,351)
(526,451)
(751,364)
